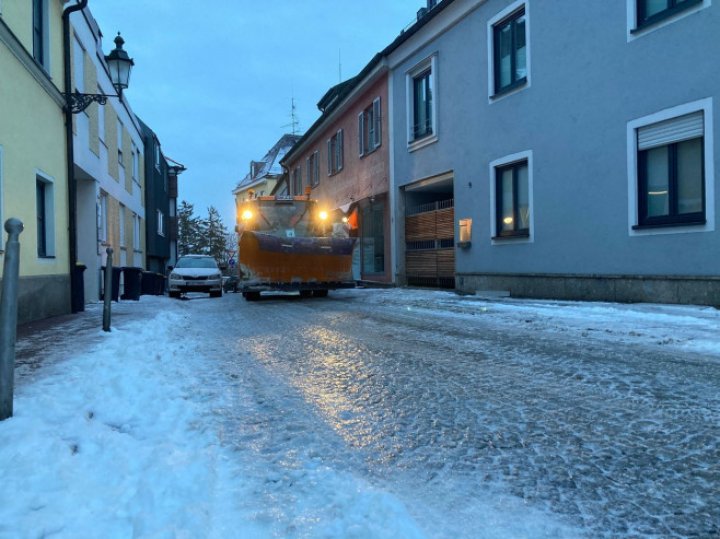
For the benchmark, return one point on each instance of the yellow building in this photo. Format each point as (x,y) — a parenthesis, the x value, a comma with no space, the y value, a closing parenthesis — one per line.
(33,161)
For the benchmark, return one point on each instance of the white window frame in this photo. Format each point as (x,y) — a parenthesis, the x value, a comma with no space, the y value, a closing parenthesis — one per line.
(160,223)
(633,32)
(704,105)
(499,17)
(49,217)
(428,63)
(499,163)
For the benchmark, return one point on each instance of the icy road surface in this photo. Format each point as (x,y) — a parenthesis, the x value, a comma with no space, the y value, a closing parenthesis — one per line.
(407,413)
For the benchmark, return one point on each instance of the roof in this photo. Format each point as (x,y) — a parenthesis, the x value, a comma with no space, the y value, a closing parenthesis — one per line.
(335,96)
(269,165)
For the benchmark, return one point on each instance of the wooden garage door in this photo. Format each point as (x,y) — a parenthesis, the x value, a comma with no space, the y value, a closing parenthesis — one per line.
(430,245)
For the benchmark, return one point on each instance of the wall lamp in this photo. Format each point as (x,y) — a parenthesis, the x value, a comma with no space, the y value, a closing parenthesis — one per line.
(119,64)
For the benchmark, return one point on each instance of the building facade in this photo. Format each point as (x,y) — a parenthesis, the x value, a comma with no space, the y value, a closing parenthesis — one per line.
(343,160)
(108,164)
(161,174)
(33,164)
(576,148)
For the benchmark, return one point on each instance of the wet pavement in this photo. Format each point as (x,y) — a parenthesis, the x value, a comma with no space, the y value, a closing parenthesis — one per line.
(473,418)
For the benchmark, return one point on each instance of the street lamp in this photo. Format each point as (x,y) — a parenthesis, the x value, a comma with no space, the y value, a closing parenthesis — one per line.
(119,64)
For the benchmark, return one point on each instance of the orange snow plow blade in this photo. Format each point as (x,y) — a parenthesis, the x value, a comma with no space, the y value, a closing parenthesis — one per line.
(286,263)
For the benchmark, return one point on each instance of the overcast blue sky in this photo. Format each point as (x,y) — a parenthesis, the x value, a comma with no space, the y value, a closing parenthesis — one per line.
(215,79)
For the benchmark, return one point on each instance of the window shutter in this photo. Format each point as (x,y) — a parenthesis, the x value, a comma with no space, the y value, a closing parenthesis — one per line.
(339,147)
(673,130)
(377,117)
(361,129)
(329,157)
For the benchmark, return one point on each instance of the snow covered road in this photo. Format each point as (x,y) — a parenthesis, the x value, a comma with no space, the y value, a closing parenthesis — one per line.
(392,413)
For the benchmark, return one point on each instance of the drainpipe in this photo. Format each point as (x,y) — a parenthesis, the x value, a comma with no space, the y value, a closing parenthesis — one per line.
(70,154)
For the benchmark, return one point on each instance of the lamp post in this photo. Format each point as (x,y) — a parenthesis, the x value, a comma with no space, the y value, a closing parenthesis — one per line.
(119,65)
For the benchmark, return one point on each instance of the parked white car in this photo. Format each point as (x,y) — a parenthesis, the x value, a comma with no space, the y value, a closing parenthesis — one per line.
(195,273)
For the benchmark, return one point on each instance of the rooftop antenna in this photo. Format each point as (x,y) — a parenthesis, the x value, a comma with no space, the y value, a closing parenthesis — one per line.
(294,123)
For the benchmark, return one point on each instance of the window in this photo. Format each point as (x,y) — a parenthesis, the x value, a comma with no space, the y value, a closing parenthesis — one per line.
(370,128)
(103,218)
(511,191)
(136,232)
(160,223)
(313,169)
(373,238)
(509,50)
(45,217)
(670,171)
(421,84)
(157,156)
(297,188)
(422,105)
(122,226)
(40,34)
(136,162)
(512,210)
(78,65)
(335,153)
(651,11)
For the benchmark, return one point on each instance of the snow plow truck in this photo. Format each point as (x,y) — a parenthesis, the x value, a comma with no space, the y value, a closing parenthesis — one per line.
(288,243)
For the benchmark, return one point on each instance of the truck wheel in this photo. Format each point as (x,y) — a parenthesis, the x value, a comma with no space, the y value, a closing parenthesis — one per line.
(251,296)
(320,293)
(305,293)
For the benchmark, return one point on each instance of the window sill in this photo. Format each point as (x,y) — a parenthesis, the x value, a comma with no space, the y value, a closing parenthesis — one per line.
(511,237)
(653,226)
(46,257)
(421,142)
(464,244)
(665,15)
(370,151)
(510,89)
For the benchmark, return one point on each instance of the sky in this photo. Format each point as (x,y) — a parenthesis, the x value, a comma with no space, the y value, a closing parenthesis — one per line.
(94,450)
(216,80)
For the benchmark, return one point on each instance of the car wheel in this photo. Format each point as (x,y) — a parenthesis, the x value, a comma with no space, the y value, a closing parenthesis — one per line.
(174,294)
(217,294)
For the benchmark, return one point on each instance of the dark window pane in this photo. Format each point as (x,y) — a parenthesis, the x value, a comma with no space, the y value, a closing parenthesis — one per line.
(657,181)
(690,176)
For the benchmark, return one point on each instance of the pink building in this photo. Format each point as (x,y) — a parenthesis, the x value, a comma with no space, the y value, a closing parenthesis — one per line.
(343,160)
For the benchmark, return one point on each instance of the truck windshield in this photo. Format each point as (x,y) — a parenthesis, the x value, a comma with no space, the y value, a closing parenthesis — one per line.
(285,219)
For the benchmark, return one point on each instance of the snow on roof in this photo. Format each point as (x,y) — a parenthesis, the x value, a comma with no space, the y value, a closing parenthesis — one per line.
(269,165)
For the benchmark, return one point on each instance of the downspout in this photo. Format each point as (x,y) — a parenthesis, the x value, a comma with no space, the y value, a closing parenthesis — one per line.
(70,155)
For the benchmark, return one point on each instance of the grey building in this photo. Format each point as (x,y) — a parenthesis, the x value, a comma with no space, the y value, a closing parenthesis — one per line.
(161,192)
(555,151)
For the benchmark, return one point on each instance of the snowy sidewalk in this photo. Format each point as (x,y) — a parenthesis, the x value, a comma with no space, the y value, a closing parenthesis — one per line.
(114,436)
